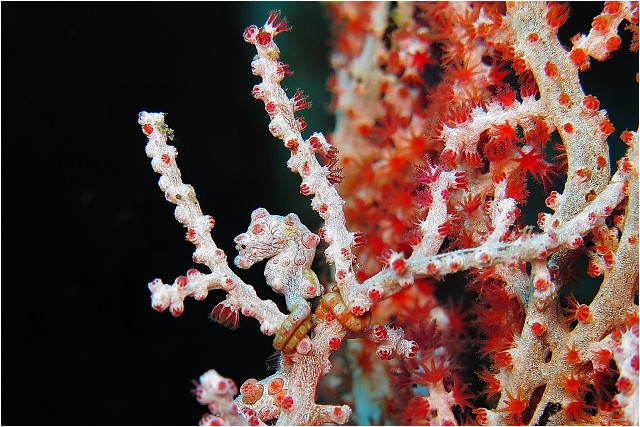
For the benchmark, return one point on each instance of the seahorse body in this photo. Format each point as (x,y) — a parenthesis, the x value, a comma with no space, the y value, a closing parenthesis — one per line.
(291,247)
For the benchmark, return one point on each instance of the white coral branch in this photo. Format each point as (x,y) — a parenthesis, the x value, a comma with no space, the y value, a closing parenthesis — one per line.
(242,297)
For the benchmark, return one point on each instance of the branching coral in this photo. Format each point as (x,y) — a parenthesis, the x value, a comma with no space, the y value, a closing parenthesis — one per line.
(426,176)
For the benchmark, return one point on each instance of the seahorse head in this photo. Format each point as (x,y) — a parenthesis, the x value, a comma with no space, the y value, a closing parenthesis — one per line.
(268,235)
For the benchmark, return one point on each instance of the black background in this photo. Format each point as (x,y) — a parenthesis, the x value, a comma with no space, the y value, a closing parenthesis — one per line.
(85,227)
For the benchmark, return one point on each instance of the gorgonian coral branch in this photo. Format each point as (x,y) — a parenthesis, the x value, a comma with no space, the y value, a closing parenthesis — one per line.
(525,248)
(241,297)
(318,180)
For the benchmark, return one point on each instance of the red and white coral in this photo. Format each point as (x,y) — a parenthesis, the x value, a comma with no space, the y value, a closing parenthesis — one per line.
(473,140)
